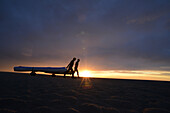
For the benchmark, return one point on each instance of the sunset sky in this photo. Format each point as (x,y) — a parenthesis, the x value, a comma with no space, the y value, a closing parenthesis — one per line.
(113,36)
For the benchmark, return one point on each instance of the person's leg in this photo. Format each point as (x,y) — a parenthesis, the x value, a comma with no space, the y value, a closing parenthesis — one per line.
(72,72)
(66,73)
(78,73)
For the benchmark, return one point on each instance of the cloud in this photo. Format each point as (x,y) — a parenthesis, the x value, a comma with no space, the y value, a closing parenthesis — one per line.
(143,20)
(110,34)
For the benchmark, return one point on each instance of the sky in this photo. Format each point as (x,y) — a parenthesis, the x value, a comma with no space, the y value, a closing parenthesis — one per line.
(104,34)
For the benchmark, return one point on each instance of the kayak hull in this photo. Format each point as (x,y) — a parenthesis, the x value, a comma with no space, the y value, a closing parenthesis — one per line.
(56,70)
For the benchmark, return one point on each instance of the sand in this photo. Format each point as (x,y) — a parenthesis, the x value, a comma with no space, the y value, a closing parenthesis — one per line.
(22,93)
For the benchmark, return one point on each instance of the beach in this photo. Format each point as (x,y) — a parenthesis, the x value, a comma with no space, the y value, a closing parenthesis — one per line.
(23,93)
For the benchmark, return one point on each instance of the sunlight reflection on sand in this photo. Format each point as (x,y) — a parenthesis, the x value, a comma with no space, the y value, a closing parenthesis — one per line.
(86,83)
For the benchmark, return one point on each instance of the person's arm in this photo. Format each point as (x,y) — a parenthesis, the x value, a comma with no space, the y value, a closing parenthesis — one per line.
(68,65)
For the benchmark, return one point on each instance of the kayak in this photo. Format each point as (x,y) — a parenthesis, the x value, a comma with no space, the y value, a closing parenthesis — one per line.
(57,70)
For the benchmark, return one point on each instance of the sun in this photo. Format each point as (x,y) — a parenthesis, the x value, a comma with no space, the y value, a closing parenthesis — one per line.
(85,73)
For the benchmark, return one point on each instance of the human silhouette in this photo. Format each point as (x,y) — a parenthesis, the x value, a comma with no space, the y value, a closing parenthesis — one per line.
(76,67)
(70,67)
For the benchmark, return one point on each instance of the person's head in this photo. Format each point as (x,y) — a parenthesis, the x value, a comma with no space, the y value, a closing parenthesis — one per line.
(78,60)
(74,58)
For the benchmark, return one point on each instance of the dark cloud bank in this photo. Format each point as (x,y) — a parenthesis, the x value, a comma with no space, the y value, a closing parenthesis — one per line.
(104,34)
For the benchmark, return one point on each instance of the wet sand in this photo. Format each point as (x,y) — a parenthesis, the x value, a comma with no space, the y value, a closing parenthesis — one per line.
(22,93)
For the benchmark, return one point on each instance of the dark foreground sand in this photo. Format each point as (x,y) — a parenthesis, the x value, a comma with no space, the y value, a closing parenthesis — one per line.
(23,93)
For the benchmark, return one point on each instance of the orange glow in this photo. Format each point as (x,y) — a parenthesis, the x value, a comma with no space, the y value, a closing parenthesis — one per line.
(85,73)
(128,74)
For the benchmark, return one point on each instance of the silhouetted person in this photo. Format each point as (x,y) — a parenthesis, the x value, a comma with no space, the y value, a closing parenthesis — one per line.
(70,67)
(76,67)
